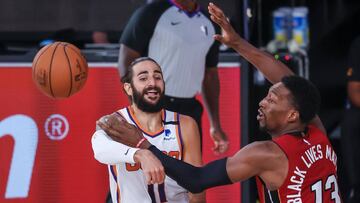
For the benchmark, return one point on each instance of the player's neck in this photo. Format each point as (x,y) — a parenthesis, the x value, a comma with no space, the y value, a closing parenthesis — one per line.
(151,122)
(289,129)
(187,5)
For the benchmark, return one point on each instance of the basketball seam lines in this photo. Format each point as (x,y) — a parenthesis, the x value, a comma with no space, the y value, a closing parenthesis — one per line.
(71,75)
(51,61)
(83,61)
(35,62)
(80,55)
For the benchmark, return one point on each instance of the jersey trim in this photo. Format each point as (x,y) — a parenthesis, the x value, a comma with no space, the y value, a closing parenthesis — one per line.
(287,157)
(188,13)
(275,197)
(260,189)
(137,123)
(114,175)
(162,195)
(265,195)
(151,193)
(179,135)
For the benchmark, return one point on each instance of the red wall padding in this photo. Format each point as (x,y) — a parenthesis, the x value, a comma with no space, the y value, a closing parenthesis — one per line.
(65,170)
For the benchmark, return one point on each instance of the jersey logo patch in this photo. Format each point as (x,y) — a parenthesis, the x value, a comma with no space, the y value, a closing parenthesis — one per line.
(204,29)
(175,23)
(307,142)
(127,151)
(168,135)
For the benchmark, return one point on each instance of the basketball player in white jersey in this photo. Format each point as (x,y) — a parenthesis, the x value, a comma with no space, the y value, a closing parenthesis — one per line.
(174,134)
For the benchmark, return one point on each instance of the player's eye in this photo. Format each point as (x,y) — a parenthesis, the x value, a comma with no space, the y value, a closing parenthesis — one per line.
(269,99)
(142,78)
(158,77)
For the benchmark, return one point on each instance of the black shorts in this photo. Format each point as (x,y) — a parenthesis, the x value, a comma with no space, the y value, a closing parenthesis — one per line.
(350,142)
(186,106)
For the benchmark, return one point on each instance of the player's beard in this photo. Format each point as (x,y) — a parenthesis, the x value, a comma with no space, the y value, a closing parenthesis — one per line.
(263,128)
(139,99)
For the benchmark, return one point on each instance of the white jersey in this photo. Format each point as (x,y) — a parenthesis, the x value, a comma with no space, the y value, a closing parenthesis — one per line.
(127,181)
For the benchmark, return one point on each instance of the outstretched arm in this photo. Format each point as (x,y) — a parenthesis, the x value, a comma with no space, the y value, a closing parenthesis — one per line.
(195,179)
(108,150)
(191,149)
(259,158)
(272,69)
(264,159)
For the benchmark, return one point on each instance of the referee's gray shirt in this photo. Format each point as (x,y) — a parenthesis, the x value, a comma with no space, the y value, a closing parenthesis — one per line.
(181,42)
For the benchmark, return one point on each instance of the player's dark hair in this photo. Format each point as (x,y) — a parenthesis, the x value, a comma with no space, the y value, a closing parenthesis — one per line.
(129,70)
(305,96)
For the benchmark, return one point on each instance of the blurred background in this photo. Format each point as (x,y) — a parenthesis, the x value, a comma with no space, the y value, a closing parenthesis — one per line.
(312,37)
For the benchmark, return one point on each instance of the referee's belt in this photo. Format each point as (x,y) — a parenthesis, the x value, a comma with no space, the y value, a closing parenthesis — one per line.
(179,100)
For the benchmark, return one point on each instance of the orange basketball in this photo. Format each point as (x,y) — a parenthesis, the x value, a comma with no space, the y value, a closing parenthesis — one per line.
(59,70)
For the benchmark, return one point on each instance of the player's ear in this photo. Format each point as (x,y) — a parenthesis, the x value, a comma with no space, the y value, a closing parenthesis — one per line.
(293,116)
(128,89)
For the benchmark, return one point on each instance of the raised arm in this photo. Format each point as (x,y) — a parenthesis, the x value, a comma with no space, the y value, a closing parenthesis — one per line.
(272,69)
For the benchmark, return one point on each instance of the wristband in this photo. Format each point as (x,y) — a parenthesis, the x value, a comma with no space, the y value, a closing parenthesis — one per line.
(140,142)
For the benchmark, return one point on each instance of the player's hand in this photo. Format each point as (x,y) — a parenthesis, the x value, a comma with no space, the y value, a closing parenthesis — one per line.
(221,143)
(153,169)
(121,131)
(228,35)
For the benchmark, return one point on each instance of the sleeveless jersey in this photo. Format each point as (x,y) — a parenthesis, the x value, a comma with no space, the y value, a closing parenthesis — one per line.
(312,170)
(127,181)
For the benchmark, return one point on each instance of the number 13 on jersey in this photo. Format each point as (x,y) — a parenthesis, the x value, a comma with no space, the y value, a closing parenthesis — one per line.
(330,185)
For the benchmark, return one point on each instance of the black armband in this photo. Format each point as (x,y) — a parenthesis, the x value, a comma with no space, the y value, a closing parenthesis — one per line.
(194,179)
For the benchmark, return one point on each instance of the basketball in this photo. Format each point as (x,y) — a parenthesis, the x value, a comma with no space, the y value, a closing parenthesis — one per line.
(59,70)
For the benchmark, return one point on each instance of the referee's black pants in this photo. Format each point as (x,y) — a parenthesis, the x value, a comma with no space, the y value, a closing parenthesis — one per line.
(350,145)
(186,106)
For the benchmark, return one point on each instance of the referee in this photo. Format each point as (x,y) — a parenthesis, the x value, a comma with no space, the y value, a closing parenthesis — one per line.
(350,135)
(178,35)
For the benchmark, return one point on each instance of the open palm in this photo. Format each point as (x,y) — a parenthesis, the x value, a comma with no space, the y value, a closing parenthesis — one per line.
(228,35)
